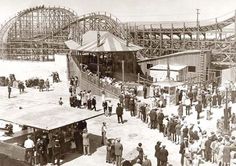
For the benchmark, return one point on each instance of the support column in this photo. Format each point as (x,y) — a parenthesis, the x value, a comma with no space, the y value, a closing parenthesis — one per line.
(123,72)
(171,38)
(160,50)
(198,40)
(184,37)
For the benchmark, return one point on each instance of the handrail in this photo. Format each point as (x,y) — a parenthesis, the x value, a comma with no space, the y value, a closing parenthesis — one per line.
(96,81)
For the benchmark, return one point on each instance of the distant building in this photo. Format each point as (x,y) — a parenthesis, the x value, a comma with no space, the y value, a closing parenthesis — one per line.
(191,65)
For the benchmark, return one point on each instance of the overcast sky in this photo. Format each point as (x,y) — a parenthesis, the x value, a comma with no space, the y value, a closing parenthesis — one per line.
(131,10)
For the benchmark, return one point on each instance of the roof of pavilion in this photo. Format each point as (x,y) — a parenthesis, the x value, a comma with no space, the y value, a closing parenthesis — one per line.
(108,43)
(47,118)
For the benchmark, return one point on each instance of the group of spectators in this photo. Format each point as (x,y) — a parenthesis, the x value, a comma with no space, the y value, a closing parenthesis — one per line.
(82,99)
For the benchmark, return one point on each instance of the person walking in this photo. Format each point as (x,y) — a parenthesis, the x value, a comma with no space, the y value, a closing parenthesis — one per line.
(93,102)
(119,113)
(157,152)
(118,152)
(104,132)
(9,91)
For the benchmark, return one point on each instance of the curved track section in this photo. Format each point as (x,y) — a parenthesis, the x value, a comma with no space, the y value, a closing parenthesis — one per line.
(41,31)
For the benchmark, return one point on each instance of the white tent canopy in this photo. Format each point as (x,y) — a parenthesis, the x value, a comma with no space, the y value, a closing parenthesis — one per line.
(108,43)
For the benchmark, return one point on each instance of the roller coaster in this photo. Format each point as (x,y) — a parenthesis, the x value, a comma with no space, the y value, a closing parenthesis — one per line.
(36,33)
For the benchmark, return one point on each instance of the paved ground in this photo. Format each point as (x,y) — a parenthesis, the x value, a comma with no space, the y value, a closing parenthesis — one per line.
(131,132)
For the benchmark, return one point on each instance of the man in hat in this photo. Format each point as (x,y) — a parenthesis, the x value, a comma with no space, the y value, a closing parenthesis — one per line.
(146,161)
(160,117)
(182,151)
(118,152)
(140,152)
(119,113)
(94,103)
(104,131)
(29,145)
(198,109)
(164,156)
(153,118)
(157,152)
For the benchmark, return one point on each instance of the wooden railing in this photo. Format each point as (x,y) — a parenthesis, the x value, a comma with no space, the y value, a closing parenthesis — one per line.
(96,81)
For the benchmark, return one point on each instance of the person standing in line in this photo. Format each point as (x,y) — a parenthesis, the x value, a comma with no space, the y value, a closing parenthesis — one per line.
(29,145)
(183,147)
(104,132)
(56,152)
(79,98)
(9,91)
(198,109)
(157,152)
(144,91)
(86,143)
(146,161)
(153,118)
(180,110)
(109,108)
(121,99)
(187,106)
(132,106)
(104,105)
(47,84)
(118,152)
(160,117)
(108,155)
(119,113)
(93,102)
(164,156)
(140,152)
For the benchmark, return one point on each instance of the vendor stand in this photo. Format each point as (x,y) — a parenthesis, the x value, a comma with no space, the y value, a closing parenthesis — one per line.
(169,86)
(40,120)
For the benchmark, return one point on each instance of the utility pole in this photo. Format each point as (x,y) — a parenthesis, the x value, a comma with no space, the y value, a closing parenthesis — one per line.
(198,41)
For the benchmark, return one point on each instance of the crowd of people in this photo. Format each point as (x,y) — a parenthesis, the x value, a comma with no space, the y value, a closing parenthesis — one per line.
(196,144)
(50,147)
(81,99)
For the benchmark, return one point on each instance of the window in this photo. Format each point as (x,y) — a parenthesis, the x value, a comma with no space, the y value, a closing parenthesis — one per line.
(191,68)
(149,65)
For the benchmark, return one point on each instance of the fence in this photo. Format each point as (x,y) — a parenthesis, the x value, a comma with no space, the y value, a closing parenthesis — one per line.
(95,81)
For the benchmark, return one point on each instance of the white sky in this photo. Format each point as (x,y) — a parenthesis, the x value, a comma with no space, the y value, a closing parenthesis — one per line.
(131,10)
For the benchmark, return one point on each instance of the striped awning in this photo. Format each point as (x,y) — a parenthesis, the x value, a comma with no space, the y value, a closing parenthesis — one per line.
(107,43)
